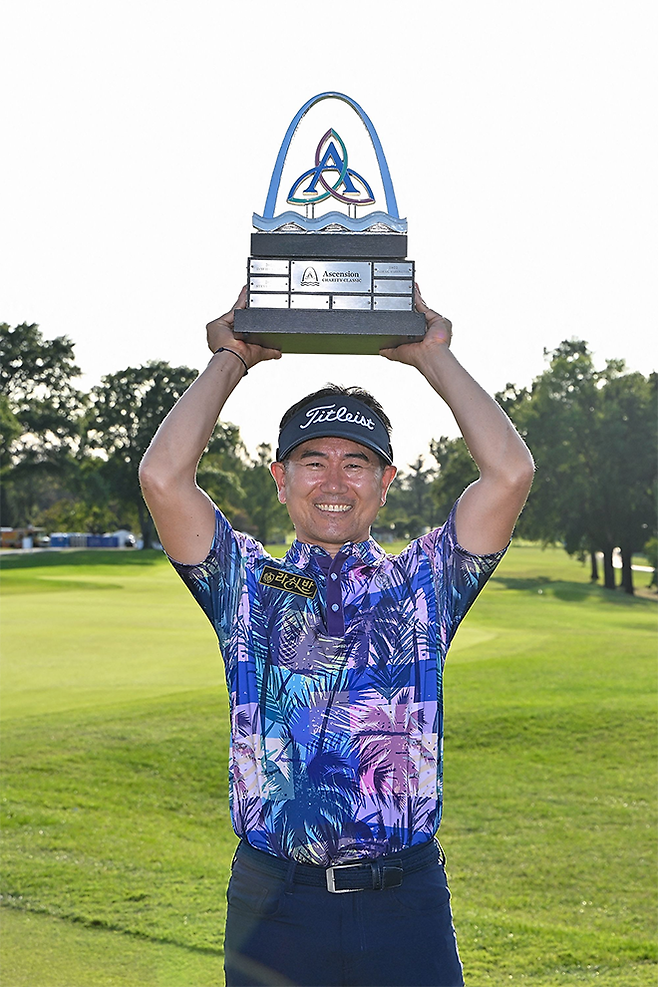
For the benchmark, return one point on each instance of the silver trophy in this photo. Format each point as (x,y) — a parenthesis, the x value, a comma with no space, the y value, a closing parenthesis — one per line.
(332,283)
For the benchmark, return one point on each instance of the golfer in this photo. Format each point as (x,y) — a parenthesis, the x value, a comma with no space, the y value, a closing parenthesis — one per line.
(334,662)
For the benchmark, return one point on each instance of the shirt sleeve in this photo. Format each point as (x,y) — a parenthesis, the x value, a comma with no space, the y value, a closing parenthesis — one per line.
(459,575)
(217,582)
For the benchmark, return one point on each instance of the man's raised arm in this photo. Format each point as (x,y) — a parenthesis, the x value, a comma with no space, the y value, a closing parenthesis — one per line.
(183,513)
(488,508)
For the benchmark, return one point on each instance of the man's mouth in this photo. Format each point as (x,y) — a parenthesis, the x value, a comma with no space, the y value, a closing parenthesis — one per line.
(334,508)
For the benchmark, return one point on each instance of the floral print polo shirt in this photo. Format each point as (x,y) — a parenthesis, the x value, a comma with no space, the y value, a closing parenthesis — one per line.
(334,669)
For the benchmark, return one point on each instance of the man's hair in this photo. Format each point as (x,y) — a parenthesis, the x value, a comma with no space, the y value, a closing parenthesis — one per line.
(337,390)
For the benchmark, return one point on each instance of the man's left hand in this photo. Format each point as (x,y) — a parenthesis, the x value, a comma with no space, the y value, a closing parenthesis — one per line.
(438,334)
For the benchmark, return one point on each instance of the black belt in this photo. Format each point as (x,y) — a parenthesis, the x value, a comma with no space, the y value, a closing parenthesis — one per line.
(361,875)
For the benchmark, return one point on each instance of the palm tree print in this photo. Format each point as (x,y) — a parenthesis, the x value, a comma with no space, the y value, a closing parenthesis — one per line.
(336,742)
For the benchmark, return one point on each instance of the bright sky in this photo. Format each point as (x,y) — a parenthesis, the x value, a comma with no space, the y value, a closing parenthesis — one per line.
(138,137)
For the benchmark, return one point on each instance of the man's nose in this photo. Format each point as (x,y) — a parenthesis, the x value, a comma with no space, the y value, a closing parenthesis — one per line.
(334,478)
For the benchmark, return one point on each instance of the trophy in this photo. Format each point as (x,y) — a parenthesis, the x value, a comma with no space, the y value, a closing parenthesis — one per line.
(336,282)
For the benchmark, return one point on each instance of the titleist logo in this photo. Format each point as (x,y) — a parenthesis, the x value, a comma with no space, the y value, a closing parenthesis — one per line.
(329,413)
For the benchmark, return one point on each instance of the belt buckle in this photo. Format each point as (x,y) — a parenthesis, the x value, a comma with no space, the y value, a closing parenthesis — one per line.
(330,873)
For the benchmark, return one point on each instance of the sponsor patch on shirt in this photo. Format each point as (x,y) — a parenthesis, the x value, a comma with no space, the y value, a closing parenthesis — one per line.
(289,582)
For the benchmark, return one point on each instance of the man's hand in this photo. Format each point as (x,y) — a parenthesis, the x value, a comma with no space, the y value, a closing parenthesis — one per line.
(438,333)
(220,333)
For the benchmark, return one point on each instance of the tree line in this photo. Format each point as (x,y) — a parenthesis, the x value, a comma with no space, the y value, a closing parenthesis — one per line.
(594,436)
(68,459)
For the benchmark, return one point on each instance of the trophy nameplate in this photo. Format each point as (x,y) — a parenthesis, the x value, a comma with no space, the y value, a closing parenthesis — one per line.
(332,283)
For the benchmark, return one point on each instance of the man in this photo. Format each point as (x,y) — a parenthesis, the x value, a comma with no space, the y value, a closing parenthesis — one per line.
(334,659)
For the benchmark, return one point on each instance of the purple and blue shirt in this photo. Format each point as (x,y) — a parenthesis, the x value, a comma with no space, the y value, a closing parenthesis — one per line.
(334,669)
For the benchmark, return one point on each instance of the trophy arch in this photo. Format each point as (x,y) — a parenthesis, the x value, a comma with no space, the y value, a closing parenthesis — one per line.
(275,181)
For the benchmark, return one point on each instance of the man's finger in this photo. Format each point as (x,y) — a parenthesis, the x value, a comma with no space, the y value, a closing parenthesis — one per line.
(272,354)
(240,303)
(242,299)
(420,304)
(229,318)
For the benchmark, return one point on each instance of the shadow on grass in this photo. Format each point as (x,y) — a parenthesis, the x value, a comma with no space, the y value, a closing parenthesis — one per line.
(73,556)
(570,592)
(103,925)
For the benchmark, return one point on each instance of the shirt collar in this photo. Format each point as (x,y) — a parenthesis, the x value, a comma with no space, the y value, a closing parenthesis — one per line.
(368,552)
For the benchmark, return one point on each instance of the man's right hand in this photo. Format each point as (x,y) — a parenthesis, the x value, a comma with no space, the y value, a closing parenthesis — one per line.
(220,333)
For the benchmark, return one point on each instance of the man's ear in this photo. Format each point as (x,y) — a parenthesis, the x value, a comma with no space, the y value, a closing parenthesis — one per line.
(387,479)
(278,471)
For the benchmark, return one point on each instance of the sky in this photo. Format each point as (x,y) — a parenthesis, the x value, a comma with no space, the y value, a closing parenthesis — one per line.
(139,137)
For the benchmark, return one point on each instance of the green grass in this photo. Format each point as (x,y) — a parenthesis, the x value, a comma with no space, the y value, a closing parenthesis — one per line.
(58,953)
(117,840)
(98,628)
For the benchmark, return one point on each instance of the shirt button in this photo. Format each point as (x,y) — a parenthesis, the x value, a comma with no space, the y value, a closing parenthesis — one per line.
(335,607)
(334,576)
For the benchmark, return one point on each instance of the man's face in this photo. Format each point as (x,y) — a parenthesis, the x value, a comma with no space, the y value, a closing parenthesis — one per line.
(333,489)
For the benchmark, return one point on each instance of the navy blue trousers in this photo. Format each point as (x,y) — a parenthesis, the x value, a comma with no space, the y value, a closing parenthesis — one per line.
(282,934)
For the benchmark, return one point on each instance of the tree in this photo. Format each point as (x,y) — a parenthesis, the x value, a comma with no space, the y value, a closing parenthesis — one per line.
(242,486)
(417,485)
(127,408)
(410,509)
(651,552)
(40,414)
(221,471)
(266,517)
(557,418)
(593,436)
(36,376)
(10,429)
(457,470)
(628,458)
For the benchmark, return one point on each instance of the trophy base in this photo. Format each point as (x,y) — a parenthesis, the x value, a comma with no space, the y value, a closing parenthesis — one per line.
(328,331)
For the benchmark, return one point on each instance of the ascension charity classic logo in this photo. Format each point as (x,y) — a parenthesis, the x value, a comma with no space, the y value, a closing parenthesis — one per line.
(329,413)
(310,277)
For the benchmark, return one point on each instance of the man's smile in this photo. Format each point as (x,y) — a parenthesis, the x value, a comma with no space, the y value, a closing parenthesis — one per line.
(334,508)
